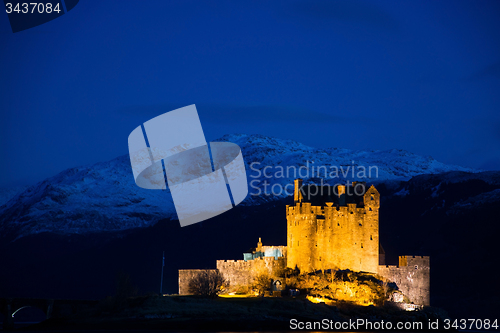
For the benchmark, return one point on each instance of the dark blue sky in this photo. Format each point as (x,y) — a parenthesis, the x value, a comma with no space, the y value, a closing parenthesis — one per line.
(422,76)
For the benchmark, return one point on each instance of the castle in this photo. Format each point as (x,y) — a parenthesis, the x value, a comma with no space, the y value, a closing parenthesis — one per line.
(328,228)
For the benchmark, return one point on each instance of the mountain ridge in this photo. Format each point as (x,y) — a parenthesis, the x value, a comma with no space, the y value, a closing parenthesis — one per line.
(103,197)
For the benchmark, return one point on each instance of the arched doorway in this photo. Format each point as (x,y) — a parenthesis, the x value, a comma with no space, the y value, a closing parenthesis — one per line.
(277,285)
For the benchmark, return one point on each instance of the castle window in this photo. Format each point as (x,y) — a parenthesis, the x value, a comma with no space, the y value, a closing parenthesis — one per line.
(370,209)
(361,245)
(372,197)
(360,225)
(416,266)
(371,237)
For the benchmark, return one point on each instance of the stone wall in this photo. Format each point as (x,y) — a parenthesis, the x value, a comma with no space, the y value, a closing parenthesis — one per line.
(412,277)
(243,273)
(185,275)
(236,272)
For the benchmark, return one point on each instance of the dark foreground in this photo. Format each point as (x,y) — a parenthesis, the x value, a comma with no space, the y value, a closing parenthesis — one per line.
(188,313)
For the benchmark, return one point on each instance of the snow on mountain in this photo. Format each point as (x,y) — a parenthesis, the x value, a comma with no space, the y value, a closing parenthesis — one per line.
(452,193)
(104,198)
(392,164)
(285,160)
(96,198)
(491,197)
(8,193)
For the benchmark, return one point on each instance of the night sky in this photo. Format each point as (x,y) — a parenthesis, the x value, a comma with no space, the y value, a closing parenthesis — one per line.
(422,76)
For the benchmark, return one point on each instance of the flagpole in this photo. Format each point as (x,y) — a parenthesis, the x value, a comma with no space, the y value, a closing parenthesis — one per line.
(161,282)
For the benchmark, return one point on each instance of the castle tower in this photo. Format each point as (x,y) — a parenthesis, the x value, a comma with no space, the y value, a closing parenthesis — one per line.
(333,228)
(371,200)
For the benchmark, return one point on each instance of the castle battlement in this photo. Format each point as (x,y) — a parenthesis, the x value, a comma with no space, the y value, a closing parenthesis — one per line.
(414,260)
(231,262)
(306,209)
(333,227)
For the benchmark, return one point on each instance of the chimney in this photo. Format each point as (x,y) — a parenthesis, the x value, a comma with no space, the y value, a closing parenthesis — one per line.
(297,194)
(341,194)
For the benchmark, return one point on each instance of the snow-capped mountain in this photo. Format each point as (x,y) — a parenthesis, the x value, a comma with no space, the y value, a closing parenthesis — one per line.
(104,198)
(393,164)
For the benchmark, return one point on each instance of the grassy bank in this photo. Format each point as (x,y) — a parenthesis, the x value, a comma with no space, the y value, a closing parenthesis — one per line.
(188,313)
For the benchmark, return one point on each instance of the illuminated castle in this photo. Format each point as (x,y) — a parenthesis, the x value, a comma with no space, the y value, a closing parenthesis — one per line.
(333,228)
(328,228)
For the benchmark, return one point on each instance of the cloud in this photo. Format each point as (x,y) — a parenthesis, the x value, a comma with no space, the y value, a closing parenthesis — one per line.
(353,11)
(227,114)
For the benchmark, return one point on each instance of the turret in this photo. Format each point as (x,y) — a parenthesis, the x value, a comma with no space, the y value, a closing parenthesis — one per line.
(371,199)
(259,246)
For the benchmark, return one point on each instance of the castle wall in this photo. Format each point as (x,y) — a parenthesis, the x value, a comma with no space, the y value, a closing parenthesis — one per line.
(185,275)
(343,237)
(412,277)
(243,273)
(237,272)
